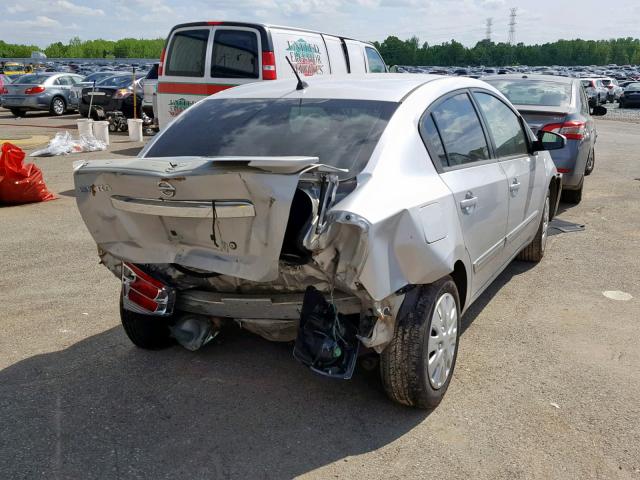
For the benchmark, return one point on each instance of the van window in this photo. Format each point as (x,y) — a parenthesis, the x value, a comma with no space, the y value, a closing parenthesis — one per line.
(153,73)
(235,54)
(376,65)
(187,53)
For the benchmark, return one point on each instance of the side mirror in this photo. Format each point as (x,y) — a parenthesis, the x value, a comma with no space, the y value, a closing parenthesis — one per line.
(598,111)
(549,141)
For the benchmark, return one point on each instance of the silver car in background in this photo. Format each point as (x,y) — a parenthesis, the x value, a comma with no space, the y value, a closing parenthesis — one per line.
(352,211)
(40,91)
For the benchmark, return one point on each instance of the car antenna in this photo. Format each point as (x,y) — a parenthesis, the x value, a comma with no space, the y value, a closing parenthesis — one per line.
(301,84)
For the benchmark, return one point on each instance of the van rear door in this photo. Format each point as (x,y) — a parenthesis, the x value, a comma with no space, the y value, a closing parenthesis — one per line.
(203,60)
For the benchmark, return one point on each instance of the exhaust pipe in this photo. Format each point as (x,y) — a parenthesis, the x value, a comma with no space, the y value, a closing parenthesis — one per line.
(194,331)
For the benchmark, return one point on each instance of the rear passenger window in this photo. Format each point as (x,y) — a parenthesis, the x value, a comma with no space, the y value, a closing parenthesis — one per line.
(187,53)
(235,54)
(460,129)
(376,65)
(504,126)
(432,140)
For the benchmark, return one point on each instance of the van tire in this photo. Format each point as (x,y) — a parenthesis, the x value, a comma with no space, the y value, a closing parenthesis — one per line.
(404,362)
(146,331)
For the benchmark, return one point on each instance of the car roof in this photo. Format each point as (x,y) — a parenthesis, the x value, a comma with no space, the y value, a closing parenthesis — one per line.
(526,76)
(390,87)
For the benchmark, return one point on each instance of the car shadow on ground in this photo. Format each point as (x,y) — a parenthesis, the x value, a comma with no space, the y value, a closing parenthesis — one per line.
(238,408)
(242,408)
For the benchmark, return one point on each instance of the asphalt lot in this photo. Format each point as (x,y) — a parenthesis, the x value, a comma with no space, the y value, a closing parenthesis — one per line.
(546,385)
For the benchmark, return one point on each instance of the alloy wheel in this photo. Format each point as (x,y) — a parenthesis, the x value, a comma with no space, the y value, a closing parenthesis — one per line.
(443,337)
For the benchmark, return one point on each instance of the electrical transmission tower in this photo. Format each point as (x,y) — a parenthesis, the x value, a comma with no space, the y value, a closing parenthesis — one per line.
(489,25)
(512,26)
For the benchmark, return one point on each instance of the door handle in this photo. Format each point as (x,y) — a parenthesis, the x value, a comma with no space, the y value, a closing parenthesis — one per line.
(469,203)
(515,186)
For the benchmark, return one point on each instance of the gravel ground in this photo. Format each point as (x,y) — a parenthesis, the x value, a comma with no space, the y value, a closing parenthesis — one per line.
(546,385)
(622,114)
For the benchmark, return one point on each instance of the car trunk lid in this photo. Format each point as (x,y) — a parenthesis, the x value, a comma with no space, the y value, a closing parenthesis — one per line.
(223,214)
(538,117)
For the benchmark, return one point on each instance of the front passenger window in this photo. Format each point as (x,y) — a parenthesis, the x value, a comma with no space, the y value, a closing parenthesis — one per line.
(504,126)
(461,131)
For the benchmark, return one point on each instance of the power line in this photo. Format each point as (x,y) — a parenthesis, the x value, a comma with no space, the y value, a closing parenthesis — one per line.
(512,26)
(488,31)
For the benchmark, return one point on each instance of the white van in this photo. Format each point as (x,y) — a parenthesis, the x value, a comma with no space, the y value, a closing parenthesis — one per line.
(200,59)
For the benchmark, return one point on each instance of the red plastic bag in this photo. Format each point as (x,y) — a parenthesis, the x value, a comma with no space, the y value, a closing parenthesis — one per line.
(20,183)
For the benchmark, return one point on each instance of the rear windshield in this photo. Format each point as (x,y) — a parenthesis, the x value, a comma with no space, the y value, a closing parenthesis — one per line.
(13,68)
(342,133)
(97,76)
(33,79)
(187,53)
(534,92)
(633,86)
(120,81)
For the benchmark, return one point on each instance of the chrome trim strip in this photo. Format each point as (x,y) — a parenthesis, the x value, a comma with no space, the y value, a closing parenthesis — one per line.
(184,208)
(488,255)
(516,231)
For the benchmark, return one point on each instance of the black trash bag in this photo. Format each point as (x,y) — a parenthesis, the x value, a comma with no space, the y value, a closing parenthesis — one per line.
(326,341)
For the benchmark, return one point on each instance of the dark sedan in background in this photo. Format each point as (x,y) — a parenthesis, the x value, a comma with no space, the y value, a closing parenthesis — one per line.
(559,105)
(40,91)
(630,97)
(112,94)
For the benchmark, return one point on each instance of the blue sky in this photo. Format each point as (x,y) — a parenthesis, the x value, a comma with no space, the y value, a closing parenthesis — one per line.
(44,21)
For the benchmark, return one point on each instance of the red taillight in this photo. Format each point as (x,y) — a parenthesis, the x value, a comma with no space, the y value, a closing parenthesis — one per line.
(161,64)
(268,66)
(3,91)
(143,293)
(563,170)
(214,23)
(34,90)
(572,130)
(609,87)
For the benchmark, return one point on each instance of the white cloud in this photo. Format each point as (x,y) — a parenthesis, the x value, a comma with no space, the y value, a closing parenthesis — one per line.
(67,6)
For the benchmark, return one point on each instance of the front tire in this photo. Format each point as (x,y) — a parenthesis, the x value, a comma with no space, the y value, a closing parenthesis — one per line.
(58,106)
(146,331)
(535,250)
(417,366)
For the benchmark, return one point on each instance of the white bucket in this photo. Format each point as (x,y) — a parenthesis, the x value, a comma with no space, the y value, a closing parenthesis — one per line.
(101,131)
(85,127)
(135,129)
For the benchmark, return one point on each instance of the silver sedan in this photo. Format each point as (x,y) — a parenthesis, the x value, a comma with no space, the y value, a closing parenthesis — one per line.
(336,214)
(40,91)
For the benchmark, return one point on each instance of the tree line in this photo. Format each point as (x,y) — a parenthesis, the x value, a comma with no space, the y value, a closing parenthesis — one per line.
(621,51)
(76,48)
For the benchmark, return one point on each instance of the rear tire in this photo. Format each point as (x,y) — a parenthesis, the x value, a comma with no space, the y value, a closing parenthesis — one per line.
(417,366)
(535,250)
(146,331)
(591,163)
(572,196)
(58,106)
(18,112)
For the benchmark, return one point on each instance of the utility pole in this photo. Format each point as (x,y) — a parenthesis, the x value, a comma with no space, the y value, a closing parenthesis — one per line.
(489,25)
(512,26)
